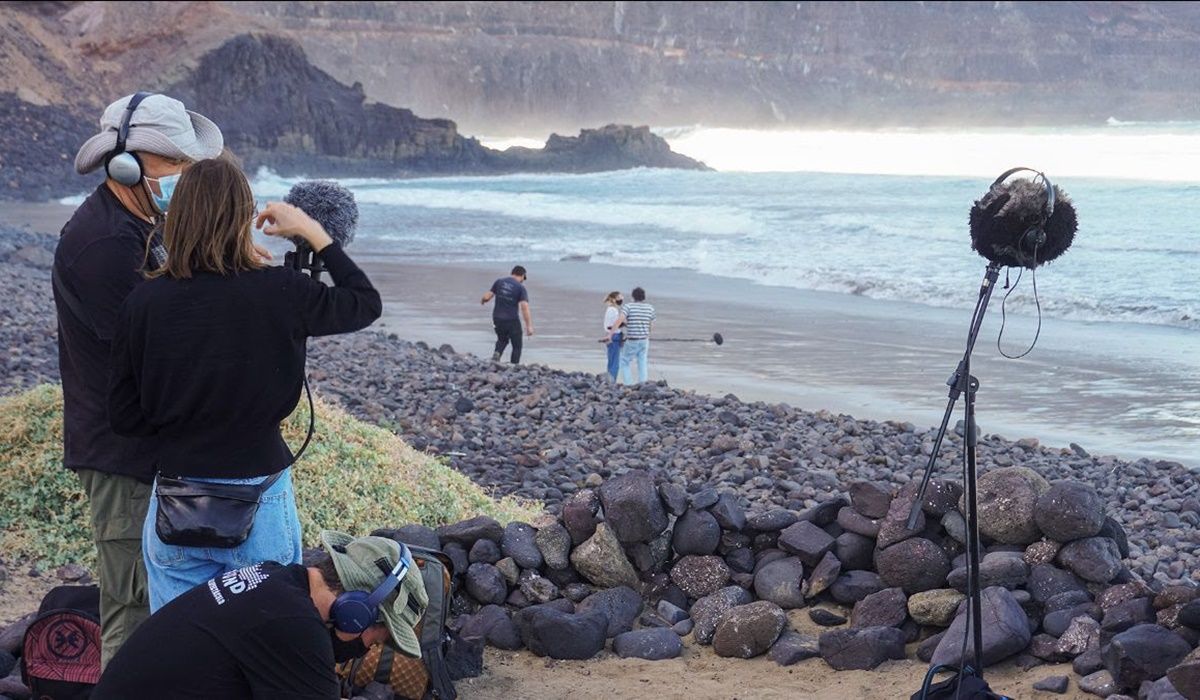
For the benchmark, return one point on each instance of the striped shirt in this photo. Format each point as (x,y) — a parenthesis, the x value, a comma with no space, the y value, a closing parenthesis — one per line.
(638,316)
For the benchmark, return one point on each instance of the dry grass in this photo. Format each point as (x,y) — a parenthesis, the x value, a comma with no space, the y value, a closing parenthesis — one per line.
(354,477)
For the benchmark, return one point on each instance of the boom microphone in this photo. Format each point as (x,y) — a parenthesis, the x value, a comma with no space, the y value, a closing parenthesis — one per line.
(1023,223)
(330,205)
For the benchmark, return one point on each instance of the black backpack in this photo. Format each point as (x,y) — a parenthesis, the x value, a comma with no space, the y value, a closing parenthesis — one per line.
(60,654)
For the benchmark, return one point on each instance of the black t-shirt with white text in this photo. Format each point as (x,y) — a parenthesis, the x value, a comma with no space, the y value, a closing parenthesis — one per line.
(509,295)
(249,633)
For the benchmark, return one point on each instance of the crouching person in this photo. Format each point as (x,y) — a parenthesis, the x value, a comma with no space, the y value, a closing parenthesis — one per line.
(275,631)
(207,359)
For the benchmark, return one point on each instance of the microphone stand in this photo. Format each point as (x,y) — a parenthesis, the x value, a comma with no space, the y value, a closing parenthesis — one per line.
(304,258)
(960,383)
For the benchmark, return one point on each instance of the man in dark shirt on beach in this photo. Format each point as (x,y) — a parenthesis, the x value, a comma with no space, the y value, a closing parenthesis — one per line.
(511,298)
(98,262)
(265,630)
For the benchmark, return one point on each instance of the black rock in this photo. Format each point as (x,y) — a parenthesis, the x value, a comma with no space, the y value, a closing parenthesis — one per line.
(458,557)
(485,551)
(1113,531)
(747,631)
(781,582)
(709,609)
(887,608)
(554,543)
(1165,689)
(561,635)
(1143,653)
(696,532)
(1094,559)
(486,584)
(824,513)
(674,497)
(415,535)
(1046,581)
(670,612)
(464,405)
(1069,511)
(632,507)
(822,576)
(464,658)
(806,541)
(621,606)
(1003,569)
(729,513)
(1124,616)
(468,531)
(649,644)
(894,528)
(826,618)
(740,561)
(699,576)
(861,649)
(1190,614)
(915,565)
(792,647)
(772,520)
(853,586)
(1053,684)
(941,497)
(493,625)
(576,592)
(704,499)
(579,515)
(853,521)
(1066,600)
(854,551)
(520,542)
(1057,622)
(1005,631)
(1088,662)
(870,499)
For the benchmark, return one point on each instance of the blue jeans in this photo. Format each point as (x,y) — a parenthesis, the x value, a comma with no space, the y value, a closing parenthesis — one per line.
(172,571)
(635,350)
(614,356)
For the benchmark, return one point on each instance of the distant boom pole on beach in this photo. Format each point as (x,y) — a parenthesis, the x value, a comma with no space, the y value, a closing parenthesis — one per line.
(716,338)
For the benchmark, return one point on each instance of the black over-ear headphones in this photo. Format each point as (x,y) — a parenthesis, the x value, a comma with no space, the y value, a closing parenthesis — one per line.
(122,166)
(354,611)
(1036,235)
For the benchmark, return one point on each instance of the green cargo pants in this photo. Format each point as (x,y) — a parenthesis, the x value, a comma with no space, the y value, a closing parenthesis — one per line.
(118,504)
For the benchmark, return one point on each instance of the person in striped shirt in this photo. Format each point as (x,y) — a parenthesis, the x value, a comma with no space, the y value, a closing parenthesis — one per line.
(636,319)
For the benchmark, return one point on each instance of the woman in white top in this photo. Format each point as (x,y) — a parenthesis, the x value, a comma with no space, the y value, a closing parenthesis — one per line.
(612,317)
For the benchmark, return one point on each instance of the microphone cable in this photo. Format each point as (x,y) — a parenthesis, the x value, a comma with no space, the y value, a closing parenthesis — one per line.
(1004,313)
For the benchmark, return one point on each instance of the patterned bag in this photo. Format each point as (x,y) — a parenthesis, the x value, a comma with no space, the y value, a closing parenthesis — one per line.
(425,678)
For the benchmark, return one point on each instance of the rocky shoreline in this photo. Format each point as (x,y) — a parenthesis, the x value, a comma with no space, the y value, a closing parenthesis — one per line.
(672,514)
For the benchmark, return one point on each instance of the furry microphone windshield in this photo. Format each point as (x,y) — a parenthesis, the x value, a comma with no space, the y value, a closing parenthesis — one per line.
(1009,225)
(330,204)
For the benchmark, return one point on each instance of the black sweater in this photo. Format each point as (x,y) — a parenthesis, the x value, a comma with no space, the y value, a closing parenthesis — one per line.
(210,366)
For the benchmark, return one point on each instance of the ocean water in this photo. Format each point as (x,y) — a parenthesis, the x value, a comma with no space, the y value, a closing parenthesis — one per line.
(878,232)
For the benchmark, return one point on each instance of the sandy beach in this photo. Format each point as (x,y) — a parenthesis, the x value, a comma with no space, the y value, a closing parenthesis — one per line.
(1111,388)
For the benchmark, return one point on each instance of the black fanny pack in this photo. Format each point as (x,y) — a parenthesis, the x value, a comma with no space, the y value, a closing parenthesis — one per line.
(203,514)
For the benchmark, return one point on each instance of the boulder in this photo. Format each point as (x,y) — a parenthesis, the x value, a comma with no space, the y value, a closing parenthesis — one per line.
(748,630)
(650,644)
(554,542)
(806,541)
(632,507)
(1098,683)
(935,608)
(1185,676)
(560,635)
(674,497)
(602,561)
(485,551)
(823,576)
(1082,635)
(915,565)
(699,576)
(825,618)
(537,589)
(887,608)
(1007,499)
(861,649)
(1127,615)
(1069,510)
(579,515)
(1143,653)
(729,513)
(1042,552)
(781,582)
(1163,689)
(1046,581)
(1004,569)
(696,532)
(709,609)
(468,531)
(1053,684)
(486,584)
(792,647)
(854,551)
(851,520)
(620,605)
(853,586)
(870,499)
(1005,631)
(1189,614)
(492,624)
(415,535)
(894,528)
(1092,559)
(772,520)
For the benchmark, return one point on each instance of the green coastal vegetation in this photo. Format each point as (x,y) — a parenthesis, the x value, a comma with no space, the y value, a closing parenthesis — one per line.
(354,477)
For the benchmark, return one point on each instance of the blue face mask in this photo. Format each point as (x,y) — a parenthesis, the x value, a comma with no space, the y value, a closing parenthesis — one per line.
(166,185)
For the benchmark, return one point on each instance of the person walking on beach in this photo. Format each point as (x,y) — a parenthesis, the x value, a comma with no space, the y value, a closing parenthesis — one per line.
(512,302)
(208,358)
(612,318)
(637,319)
(145,142)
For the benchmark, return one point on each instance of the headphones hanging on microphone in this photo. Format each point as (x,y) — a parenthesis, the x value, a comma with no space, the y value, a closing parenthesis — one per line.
(354,611)
(121,165)
(1035,236)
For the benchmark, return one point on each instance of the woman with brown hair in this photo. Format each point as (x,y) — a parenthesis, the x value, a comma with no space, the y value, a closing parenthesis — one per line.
(612,336)
(208,359)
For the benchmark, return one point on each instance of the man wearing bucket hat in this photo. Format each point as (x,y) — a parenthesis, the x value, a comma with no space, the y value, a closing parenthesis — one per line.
(276,631)
(144,143)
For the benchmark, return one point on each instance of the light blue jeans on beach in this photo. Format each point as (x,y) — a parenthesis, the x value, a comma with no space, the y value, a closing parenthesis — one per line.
(635,350)
(172,571)
(614,356)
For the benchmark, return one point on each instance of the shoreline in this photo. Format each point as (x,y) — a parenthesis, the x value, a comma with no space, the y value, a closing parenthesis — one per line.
(1097,385)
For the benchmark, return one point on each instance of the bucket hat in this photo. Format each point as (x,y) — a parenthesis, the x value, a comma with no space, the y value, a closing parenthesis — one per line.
(159,125)
(357,560)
